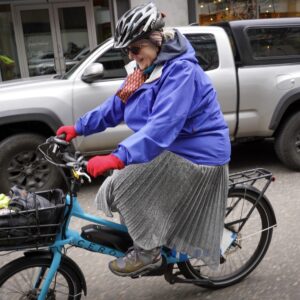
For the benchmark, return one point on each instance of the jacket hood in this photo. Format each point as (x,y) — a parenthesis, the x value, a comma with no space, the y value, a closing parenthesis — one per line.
(175,47)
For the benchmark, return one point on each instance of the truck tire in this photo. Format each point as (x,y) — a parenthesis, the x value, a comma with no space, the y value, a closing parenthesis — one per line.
(22,164)
(287,142)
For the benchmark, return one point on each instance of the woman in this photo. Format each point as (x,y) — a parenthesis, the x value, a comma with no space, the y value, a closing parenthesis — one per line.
(171,185)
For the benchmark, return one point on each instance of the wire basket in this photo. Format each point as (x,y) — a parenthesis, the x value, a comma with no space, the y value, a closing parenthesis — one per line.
(33,228)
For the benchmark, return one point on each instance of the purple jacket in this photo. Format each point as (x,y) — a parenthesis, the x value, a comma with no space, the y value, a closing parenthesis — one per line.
(176,109)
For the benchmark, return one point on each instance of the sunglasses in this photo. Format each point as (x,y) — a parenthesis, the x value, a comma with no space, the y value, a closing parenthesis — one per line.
(134,49)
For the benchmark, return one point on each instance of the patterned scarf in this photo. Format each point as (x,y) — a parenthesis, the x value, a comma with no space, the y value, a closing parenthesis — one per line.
(138,77)
(133,82)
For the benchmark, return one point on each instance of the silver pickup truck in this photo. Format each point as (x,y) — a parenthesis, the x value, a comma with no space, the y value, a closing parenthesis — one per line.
(254,65)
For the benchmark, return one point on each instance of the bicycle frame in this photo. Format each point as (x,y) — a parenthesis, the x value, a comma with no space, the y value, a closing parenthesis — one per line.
(73,237)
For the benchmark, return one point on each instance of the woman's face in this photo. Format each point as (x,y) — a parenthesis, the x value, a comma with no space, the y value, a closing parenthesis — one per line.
(143,52)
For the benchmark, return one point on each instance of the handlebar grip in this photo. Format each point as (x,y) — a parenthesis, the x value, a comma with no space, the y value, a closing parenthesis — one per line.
(60,139)
(62,136)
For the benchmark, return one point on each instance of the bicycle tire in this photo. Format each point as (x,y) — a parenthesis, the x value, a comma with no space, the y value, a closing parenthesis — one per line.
(222,281)
(11,274)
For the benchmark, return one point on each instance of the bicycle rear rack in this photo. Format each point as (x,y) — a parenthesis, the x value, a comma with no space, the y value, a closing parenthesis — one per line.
(247,180)
(250,177)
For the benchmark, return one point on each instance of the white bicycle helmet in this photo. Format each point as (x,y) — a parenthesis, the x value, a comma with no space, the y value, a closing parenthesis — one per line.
(136,23)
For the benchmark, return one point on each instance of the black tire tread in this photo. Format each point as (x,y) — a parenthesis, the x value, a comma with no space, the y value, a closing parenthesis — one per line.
(284,142)
(11,144)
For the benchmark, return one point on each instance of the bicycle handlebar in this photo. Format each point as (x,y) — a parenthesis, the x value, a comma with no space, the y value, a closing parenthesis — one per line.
(60,140)
(58,147)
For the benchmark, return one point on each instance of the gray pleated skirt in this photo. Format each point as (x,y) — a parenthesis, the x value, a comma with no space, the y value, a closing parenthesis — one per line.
(170,201)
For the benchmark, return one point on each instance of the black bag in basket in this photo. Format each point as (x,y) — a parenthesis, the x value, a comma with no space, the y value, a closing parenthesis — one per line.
(23,200)
(34,220)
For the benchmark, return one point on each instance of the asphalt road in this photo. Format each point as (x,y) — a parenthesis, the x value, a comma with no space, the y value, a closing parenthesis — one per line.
(277,277)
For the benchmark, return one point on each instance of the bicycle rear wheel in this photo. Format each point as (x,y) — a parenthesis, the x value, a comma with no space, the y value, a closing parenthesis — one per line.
(249,248)
(22,279)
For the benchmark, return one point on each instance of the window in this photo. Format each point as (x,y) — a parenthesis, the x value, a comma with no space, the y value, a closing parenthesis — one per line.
(38,41)
(206,50)
(102,19)
(9,65)
(204,44)
(113,62)
(280,42)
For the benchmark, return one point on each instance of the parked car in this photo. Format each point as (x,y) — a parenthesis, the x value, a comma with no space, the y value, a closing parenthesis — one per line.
(254,65)
(44,64)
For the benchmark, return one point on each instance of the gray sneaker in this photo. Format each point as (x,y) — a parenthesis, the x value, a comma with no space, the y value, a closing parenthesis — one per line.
(137,261)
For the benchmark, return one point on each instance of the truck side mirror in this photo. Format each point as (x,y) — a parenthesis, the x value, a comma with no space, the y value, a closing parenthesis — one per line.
(93,72)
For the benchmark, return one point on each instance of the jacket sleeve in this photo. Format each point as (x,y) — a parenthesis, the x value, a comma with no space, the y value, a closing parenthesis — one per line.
(169,113)
(109,114)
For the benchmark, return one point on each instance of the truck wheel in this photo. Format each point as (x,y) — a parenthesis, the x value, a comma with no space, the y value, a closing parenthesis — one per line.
(287,142)
(22,164)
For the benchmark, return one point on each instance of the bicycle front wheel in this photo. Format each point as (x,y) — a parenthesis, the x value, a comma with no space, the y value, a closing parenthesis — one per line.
(252,242)
(23,278)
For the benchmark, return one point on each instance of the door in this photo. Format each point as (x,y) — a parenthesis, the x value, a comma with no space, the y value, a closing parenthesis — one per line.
(74,33)
(53,37)
(36,41)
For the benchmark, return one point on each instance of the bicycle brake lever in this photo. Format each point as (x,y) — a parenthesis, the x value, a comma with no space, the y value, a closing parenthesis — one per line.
(83,174)
(58,140)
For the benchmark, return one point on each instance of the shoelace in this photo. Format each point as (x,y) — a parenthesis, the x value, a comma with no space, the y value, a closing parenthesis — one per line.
(132,252)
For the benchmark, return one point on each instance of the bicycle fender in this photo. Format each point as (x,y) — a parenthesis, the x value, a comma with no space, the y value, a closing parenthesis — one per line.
(64,260)
(256,192)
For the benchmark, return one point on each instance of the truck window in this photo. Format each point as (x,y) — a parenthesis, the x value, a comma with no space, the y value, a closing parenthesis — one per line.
(205,46)
(206,50)
(113,62)
(275,42)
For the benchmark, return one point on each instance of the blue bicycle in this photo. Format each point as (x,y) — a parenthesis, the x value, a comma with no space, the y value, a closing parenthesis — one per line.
(46,272)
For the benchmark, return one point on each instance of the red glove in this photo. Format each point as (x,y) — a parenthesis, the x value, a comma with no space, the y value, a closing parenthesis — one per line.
(100,164)
(69,131)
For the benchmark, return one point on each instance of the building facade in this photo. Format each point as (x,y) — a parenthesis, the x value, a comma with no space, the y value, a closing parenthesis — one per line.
(39,37)
(210,11)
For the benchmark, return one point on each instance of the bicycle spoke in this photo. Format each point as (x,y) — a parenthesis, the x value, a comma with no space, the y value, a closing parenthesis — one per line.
(26,280)
(30,280)
(10,291)
(17,285)
(61,285)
